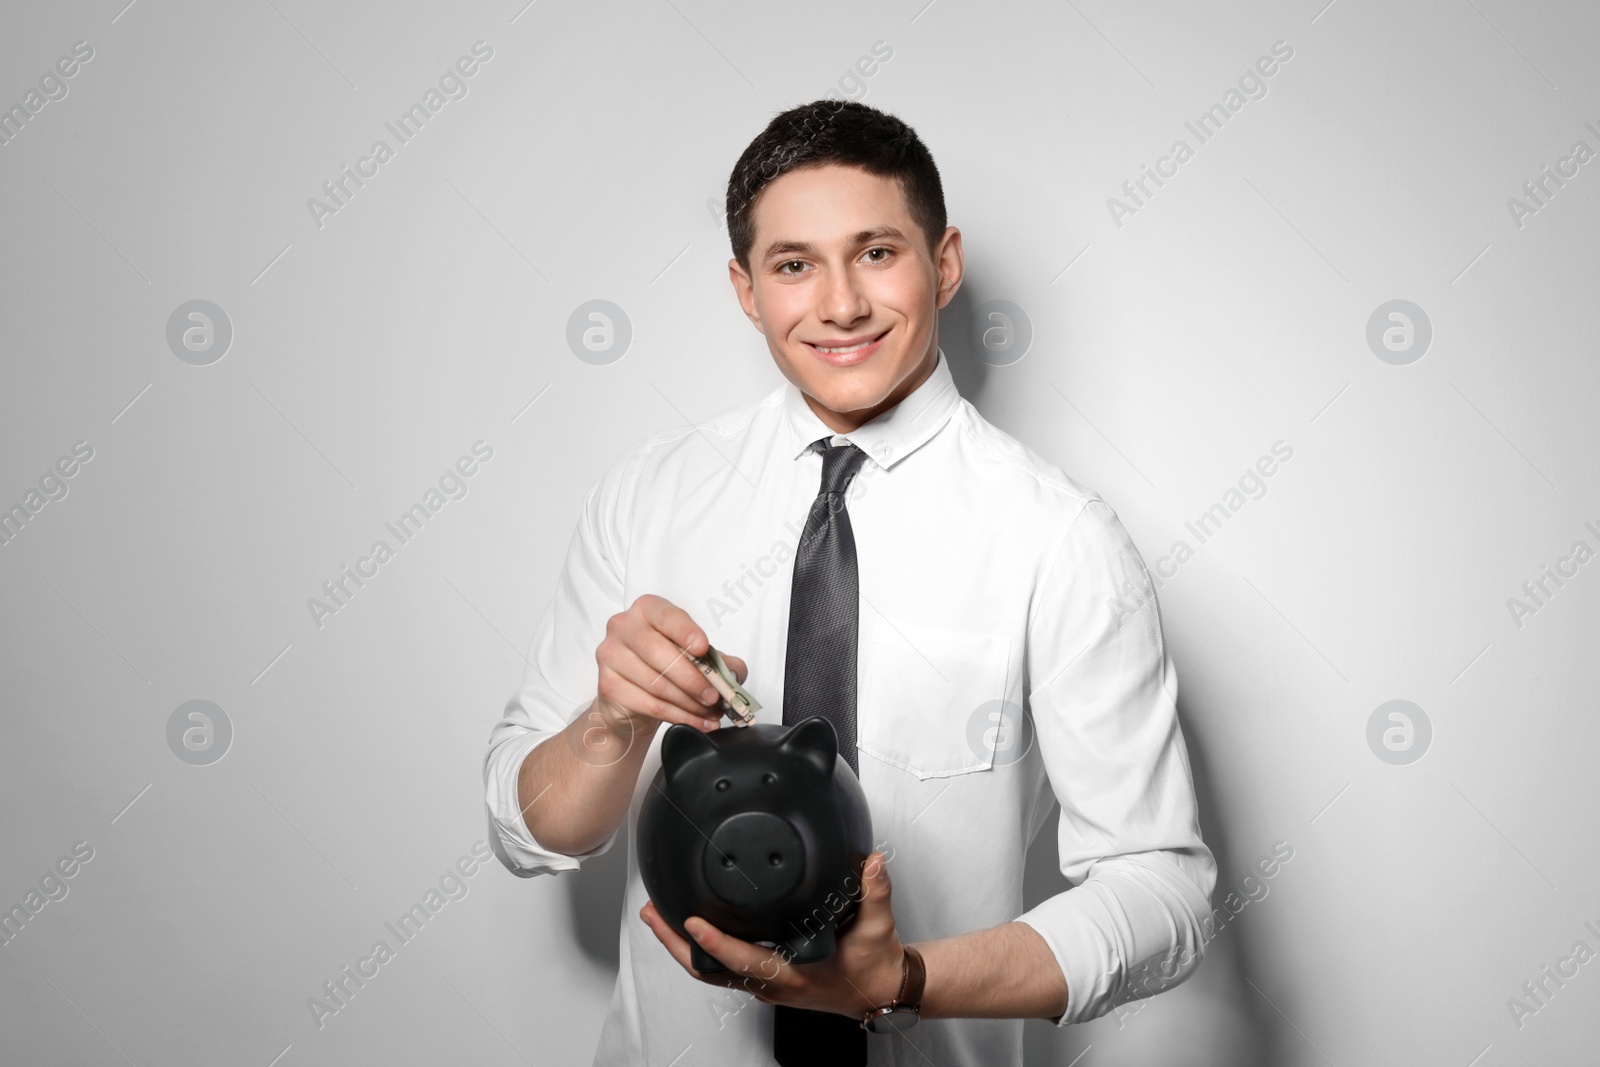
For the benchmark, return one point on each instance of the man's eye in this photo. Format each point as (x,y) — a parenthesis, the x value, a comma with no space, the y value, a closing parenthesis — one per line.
(887,252)
(791,263)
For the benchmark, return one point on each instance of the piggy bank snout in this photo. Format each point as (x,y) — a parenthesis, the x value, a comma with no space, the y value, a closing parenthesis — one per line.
(754,859)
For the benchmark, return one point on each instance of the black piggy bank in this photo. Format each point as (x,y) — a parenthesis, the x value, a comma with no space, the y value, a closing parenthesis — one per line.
(760,830)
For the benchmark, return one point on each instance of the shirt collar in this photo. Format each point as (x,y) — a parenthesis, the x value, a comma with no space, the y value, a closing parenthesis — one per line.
(893,434)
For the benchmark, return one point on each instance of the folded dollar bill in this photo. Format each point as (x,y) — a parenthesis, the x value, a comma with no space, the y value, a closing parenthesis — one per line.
(735,702)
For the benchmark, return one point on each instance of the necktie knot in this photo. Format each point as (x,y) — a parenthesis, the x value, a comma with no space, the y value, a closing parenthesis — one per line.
(840,463)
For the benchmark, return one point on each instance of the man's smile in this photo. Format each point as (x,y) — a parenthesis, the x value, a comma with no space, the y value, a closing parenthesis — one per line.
(846,351)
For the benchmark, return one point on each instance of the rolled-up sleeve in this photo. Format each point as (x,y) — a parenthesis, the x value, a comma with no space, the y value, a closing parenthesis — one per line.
(560,678)
(1104,707)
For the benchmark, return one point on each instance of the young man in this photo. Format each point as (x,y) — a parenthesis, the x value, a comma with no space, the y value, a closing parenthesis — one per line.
(979,625)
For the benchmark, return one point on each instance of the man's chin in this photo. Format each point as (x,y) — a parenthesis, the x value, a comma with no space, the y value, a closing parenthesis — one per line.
(848,403)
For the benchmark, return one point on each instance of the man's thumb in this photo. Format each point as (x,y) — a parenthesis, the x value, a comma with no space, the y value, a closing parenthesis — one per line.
(875,876)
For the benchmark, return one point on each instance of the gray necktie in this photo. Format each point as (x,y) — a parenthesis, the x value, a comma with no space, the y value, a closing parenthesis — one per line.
(819,678)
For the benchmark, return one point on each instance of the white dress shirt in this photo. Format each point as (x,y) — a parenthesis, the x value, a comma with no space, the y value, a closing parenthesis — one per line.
(1010,655)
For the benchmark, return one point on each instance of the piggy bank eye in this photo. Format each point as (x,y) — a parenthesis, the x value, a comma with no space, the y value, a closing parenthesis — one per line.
(723,783)
(769,778)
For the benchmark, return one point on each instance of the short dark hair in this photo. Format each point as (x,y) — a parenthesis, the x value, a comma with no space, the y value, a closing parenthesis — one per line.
(843,132)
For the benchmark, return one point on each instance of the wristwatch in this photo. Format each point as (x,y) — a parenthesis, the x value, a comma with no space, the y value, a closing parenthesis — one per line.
(905,1009)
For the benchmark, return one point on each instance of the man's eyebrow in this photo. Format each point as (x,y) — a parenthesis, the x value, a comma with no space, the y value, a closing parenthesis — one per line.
(877,233)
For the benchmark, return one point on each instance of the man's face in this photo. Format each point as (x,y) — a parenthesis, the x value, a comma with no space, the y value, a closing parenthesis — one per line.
(838,264)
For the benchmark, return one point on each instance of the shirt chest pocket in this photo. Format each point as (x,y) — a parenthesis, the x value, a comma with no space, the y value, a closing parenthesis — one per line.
(925,694)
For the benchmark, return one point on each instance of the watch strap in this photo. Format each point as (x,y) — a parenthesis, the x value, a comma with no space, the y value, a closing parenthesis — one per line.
(916,977)
(913,978)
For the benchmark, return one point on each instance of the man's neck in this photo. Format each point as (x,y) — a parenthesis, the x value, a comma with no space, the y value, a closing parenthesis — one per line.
(847,421)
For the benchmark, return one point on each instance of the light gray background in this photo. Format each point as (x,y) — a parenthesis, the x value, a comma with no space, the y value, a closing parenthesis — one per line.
(1168,353)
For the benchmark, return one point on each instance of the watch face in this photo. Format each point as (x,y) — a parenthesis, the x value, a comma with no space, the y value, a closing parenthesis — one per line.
(896,1019)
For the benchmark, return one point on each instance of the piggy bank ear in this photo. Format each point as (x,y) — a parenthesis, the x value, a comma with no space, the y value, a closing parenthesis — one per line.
(681,745)
(814,741)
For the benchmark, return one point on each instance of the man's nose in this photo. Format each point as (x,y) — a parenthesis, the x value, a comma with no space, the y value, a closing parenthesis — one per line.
(843,299)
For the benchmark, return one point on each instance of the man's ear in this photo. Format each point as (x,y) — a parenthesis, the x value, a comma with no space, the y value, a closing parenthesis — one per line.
(745,291)
(951,265)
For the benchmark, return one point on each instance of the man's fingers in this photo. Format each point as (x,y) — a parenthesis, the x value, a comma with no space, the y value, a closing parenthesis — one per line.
(670,663)
(622,691)
(749,967)
(678,627)
(662,634)
(653,662)
(742,958)
(675,945)
(674,622)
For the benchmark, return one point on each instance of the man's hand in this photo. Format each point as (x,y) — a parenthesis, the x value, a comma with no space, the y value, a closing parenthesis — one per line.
(644,674)
(575,793)
(864,971)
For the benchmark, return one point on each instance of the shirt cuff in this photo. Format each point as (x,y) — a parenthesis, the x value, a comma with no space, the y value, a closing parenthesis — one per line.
(1071,923)
(515,846)
(1126,933)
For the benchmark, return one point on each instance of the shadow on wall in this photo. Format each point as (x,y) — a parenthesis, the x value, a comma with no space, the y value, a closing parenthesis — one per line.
(1214,1019)
(1218,1019)
(596,892)
(956,322)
